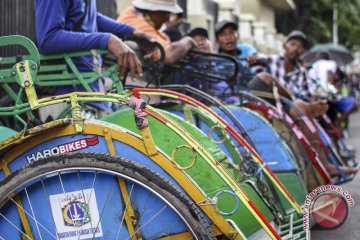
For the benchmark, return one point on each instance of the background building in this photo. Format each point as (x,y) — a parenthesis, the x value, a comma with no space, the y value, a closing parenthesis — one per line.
(256,18)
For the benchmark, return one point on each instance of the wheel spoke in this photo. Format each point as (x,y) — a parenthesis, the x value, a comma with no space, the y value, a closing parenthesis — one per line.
(148,200)
(63,189)
(148,221)
(49,204)
(123,217)
(24,234)
(70,182)
(106,201)
(169,226)
(33,218)
(83,194)
(32,211)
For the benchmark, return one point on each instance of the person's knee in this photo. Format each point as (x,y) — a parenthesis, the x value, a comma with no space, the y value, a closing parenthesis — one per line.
(260,83)
(303,106)
(266,78)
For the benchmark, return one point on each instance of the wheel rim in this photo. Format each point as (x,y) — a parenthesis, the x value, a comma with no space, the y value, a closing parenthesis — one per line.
(64,180)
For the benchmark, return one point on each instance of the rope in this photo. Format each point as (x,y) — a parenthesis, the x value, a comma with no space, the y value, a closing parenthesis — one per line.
(140,117)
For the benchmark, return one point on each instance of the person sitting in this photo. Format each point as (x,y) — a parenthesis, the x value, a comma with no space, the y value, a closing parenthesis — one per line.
(285,68)
(226,33)
(201,37)
(149,16)
(227,38)
(75,25)
(326,72)
(289,76)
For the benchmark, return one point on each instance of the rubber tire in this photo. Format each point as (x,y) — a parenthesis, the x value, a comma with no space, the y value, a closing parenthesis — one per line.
(186,207)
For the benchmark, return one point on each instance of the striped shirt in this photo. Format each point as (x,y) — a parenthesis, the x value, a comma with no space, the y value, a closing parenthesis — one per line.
(295,81)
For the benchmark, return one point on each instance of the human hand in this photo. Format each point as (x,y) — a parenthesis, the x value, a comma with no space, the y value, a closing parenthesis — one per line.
(190,42)
(126,58)
(252,59)
(144,41)
(140,35)
(318,108)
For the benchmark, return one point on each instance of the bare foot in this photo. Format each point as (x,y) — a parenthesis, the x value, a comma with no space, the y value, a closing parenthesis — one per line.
(334,172)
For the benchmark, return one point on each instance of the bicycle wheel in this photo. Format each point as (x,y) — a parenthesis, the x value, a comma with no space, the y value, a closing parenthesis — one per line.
(91,195)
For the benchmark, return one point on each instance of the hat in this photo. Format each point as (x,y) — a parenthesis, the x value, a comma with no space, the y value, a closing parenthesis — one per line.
(199,31)
(299,35)
(224,23)
(158,5)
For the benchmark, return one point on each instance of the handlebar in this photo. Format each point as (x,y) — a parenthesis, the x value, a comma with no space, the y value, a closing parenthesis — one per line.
(259,62)
(142,47)
(220,56)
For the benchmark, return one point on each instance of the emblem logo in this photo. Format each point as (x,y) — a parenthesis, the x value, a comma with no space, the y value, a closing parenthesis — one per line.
(327,206)
(330,210)
(76,215)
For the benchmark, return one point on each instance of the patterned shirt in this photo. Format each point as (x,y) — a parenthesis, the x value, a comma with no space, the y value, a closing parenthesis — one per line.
(295,81)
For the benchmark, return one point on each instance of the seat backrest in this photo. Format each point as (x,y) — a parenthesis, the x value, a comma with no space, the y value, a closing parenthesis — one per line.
(6,133)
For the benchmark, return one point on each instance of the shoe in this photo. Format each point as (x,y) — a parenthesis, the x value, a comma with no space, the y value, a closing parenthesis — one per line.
(344,151)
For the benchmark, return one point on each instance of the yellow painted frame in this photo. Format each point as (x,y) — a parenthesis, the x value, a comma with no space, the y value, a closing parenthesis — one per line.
(220,224)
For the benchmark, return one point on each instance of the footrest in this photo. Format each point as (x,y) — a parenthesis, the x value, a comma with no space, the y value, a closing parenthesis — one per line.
(293,229)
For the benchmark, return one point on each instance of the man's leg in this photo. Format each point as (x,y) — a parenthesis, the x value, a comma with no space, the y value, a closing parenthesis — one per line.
(264,81)
(310,110)
(312,135)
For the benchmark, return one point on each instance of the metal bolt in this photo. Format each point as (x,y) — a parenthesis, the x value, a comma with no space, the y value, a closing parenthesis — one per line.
(33,67)
(134,222)
(231,235)
(13,73)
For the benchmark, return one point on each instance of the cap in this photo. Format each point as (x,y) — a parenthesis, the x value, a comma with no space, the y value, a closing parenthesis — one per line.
(224,23)
(296,34)
(158,5)
(199,31)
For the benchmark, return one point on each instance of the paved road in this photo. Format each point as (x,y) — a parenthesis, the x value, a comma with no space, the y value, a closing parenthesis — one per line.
(351,228)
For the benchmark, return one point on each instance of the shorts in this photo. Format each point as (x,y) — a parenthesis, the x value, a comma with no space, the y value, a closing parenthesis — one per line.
(344,105)
(257,84)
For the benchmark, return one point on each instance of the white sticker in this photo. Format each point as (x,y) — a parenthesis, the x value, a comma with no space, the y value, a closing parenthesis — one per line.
(76,215)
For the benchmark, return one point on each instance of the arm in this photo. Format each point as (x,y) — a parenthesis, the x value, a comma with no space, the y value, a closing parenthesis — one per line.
(249,52)
(283,91)
(177,50)
(106,24)
(330,77)
(121,30)
(51,35)
(270,79)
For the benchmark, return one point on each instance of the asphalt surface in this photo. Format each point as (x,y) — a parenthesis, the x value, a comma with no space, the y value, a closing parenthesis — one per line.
(350,230)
